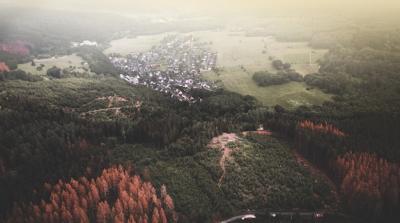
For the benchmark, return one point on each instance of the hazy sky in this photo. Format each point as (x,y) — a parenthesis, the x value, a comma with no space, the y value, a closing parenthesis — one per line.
(216,6)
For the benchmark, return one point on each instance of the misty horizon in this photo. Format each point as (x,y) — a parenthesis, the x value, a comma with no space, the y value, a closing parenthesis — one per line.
(219,7)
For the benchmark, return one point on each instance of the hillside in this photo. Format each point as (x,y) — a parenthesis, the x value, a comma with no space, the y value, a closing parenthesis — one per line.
(117,118)
(78,131)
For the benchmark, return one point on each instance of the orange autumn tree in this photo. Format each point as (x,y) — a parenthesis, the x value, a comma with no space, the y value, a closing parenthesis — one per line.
(319,142)
(113,197)
(370,185)
(324,128)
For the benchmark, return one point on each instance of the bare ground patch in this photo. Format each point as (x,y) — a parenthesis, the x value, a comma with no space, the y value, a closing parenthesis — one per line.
(221,142)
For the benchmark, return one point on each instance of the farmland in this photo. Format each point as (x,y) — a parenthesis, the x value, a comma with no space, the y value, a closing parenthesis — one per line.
(138,44)
(239,56)
(237,49)
(289,95)
(73,62)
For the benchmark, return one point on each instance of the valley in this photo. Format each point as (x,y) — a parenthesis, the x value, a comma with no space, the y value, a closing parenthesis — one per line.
(116,117)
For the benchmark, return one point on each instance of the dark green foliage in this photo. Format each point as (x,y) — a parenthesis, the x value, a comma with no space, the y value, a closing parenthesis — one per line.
(336,84)
(11,60)
(265,78)
(98,62)
(44,135)
(191,181)
(284,75)
(263,173)
(228,104)
(364,75)
(277,64)
(19,75)
(292,75)
(54,72)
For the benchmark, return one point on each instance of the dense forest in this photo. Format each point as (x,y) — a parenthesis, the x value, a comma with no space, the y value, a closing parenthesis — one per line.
(54,136)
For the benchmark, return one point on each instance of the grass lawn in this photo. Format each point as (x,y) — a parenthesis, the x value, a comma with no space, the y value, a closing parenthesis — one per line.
(288,95)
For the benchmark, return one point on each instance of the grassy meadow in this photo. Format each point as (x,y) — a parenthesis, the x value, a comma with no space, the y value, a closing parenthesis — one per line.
(239,49)
(239,56)
(288,95)
(76,63)
(138,44)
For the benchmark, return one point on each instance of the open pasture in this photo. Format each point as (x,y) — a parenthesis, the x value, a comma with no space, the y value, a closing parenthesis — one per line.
(76,63)
(138,44)
(290,95)
(239,49)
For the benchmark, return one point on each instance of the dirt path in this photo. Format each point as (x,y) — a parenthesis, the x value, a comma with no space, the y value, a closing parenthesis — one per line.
(226,154)
(112,100)
(117,110)
(220,142)
(259,132)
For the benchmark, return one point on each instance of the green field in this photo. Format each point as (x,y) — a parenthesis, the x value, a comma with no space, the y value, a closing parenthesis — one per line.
(288,95)
(76,63)
(239,56)
(237,49)
(138,44)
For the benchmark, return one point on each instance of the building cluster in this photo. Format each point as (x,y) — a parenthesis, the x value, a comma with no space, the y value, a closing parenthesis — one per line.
(84,43)
(172,67)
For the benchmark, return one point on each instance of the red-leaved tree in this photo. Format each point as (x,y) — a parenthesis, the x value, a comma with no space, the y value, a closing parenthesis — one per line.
(115,196)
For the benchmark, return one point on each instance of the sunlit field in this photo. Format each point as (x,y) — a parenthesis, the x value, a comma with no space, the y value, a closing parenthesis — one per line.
(74,62)
(239,56)
(137,44)
(289,95)
(239,49)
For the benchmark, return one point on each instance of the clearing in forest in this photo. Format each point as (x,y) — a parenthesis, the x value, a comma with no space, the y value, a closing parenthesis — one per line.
(222,142)
(289,95)
(73,63)
(127,45)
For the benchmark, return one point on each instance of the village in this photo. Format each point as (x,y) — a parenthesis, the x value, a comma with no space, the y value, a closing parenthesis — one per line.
(173,67)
